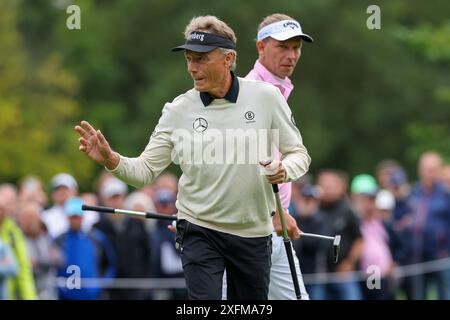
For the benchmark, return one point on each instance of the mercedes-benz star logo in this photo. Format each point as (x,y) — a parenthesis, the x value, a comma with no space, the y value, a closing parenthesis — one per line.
(200,124)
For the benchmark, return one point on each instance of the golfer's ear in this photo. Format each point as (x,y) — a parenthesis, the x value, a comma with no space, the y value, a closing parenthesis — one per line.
(260,47)
(229,59)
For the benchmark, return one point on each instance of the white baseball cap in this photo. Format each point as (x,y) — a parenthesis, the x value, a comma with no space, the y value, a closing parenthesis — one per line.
(113,187)
(385,200)
(64,180)
(283,30)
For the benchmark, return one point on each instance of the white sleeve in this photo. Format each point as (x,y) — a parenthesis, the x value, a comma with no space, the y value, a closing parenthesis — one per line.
(295,157)
(153,160)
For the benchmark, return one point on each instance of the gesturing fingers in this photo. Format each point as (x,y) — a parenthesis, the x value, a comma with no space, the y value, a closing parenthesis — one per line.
(81,132)
(87,127)
(85,130)
(101,138)
(83,144)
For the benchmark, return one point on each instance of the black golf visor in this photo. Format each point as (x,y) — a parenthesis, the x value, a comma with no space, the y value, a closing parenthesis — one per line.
(205,42)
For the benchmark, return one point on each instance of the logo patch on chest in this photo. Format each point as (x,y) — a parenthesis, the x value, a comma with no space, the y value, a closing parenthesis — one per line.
(249,116)
(200,124)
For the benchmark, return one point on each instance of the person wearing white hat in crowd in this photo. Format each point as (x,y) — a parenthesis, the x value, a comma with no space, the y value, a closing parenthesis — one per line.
(385,202)
(63,187)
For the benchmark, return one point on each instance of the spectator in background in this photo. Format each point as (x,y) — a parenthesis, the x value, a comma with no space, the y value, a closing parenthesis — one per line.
(63,187)
(91,252)
(129,238)
(166,261)
(311,252)
(169,181)
(385,203)
(8,268)
(392,177)
(399,246)
(383,171)
(446,176)
(44,255)
(430,207)
(376,252)
(90,218)
(20,287)
(340,219)
(140,201)
(150,191)
(103,177)
(10,199)
(32,190)
(296,189)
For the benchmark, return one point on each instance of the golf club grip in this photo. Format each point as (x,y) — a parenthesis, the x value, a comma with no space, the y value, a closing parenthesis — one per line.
(288,247)
(149,215)
(275,188)
(97,208)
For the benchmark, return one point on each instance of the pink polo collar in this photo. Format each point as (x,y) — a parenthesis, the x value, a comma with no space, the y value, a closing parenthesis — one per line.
(261,73)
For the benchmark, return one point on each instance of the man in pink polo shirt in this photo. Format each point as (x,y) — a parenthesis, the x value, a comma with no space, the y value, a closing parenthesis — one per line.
(279,44)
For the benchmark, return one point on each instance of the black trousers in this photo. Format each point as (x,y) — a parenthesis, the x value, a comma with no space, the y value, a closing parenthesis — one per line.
(205,254)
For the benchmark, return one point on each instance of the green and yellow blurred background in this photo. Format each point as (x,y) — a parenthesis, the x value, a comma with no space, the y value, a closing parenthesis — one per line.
(361,95)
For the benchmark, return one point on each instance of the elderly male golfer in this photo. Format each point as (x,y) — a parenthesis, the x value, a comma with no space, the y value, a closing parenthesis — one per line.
(279,43)
(223,205)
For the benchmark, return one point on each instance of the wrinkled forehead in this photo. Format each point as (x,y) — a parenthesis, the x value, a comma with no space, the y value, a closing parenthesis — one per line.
(194,54)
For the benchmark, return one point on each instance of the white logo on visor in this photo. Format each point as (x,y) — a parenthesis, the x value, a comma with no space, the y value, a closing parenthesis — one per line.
(196,36)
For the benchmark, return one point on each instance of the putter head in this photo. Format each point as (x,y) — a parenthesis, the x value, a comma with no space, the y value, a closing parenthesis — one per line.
(336,247)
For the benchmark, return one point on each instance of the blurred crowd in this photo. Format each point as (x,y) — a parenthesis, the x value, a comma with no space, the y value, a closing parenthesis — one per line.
(386,224)
(385,221)
(42,240)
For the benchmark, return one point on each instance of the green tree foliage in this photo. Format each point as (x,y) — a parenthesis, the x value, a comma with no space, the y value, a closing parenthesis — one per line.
(37,106)
(361,95)
(431,43)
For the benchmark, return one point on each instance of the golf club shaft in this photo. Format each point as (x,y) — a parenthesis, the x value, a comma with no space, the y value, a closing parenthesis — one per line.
(280,212)
(287,243)
(313,235)
(142,214)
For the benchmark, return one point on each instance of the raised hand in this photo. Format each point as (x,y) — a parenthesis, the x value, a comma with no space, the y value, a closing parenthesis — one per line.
(95,146)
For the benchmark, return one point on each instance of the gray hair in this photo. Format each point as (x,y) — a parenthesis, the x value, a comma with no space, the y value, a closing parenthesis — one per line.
(139,198)
(214,25)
